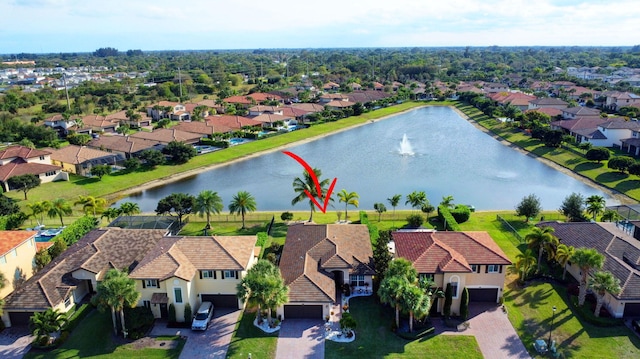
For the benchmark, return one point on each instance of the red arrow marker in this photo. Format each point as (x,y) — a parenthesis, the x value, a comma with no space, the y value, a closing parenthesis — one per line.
(315,180)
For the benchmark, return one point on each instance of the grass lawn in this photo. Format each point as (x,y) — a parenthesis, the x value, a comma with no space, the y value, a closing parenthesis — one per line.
(94,338)
(374,338)
(249,339)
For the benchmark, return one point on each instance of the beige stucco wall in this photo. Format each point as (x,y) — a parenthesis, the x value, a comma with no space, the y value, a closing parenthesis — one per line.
(67,167)
(17,263)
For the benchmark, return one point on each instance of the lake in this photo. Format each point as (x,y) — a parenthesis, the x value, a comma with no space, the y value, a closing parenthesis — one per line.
(451,158)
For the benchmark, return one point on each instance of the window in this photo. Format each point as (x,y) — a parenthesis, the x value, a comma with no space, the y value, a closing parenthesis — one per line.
(427,276)
(454,285)
(475,268)
(151,283)
(41,158)
(229,274)
(67,301)
(207,274)
(178,295)
(493,268)
(357,280)
(147,304)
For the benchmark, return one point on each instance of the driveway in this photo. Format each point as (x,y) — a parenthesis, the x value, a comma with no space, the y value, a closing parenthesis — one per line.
(495,335)
(14,342)
(300,338)
(211,343)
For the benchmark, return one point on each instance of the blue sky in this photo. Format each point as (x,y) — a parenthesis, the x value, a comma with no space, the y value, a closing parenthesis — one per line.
(85,25)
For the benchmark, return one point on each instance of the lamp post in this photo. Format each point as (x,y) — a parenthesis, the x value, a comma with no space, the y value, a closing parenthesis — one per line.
(553,314)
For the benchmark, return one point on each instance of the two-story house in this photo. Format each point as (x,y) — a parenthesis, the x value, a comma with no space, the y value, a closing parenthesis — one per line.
(20,160)
(167,109)
(80,159)
(17,251)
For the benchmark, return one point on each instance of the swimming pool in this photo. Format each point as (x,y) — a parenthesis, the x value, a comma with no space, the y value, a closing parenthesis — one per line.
(237,141)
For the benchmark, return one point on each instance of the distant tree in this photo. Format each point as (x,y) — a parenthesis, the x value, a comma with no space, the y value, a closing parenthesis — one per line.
(573,208)
(286,216)
(91,204)
(129,208)
(621,163)
(380,208)
(24,183)
(414,220)
(529,207)
(180,152)
(100,171)
(447,201)
(152,158)
(208,202)
(8,206)
(394,201)
(59,207)
(349,198)
(106,52)
(305,184)
(241,203)
(416,199)
(610,215)
(179,204)
(598,154)
(110,214)
(595,205)
(79,139)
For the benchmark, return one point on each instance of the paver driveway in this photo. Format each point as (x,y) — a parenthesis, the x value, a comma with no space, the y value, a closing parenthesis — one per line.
(300,338)
(14,342)
(212,343)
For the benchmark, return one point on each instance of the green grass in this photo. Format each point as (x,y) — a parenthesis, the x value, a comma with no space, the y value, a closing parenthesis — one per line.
(94,338)
(249,339)
(374,338)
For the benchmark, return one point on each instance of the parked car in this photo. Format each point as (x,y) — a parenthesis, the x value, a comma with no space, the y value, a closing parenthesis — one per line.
(203,316)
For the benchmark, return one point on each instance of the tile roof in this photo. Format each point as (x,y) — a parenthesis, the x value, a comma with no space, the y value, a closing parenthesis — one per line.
(439,252)
(549,101)
(12,239)
(581,111)
(182,257)
(621,251)
(367,96)
(311,251)
(257,97)
(78,154)
(271,118)
(166,135)
(21,152)
(620,123)
(231,122)
(18,168)
(202,128)
(125,144)
(98,251)
(311,107)
(582,123)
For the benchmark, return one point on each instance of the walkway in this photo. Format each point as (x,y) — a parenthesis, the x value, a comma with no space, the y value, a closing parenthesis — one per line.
(301,338)
(15,342)
(495,335)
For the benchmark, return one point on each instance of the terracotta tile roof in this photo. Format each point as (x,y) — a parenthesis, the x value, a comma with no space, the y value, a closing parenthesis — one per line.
(514,98)
(231,122)
(553,112)
(12,239)
(311,107)
(621,251)
(312,251)
(583,123)
(182,257)
(21,152)
(122,116)
(271,118)
(439,252)
(549,101)
(100,122)
(98,251)
(43,245)
(201,128)
(340,104)
(263,108)
(581,111)
(18,168)
(79,154)
(294,112)
(367,96)
(125,144)
(166,135)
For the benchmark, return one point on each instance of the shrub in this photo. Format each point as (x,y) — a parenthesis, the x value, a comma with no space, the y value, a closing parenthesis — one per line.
(286,216)
(263,237)
(77,230)
(373,230)
(172,313)
(445,215)
(464,304)
(598,154)
(414,220)
(461,213)
(188,314)
(448,299)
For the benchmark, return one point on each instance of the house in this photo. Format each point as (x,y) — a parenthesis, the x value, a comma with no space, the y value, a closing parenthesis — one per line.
(124,145)
(572,113)
(270,120)
(622,259)
(517,99)
(469,260)
(71,276)
(20,160)
(232,123)
(60,124)
(616,100)
(181,270)
(366,96)
(121,118)
(17,251)
(547,102)
(99,123)
(490,87)
(255,98)
(615,130)
(317,259)
(262,109)
(331,86)
(583,129)
(80,159)
(326,98)
(166,109)
(204,129)
(166,135)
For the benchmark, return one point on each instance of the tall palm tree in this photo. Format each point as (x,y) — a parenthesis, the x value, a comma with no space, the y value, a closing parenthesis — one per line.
(601,283)
(397,278)
(586,259)
(263,286)
(413,301)
(241,203)
(91,204)
(563,256)
(59,207)
(37,209)
(115,292)
(540,239)
(110,213)
(610,215)
(349,198)
(447,201)
(306,184)
(208,202)
(129,208)
(394,201)
(524,262)
(416,199)
(47,322)
(595,205)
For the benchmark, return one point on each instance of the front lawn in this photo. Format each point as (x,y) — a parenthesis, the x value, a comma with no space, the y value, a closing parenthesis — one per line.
(374,338)
(94,338)
(249,339)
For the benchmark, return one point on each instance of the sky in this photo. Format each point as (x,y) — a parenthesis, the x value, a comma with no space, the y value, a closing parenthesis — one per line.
(45,26)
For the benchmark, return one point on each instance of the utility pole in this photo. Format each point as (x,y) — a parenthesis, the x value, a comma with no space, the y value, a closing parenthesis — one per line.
(64,81)
(180,82)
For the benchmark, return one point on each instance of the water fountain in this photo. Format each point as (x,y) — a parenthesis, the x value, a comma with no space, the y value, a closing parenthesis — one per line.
(405,146)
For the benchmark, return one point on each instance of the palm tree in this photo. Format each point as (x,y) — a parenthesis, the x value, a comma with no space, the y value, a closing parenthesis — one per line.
(397,278)
(563,256)
(59,207)
(241,203)
(586,259)
(91,204)
(208,202)
(595,205)
(110,213)
(413,301)
(416,199)
(601,283)
(263,286)
(394,201)
(349,198)
(524,262)
(380,208)
(447,201)
(115,292)
(541,239)
(306,184)
(129,208)
(37,208)
(47,322)
(610,215)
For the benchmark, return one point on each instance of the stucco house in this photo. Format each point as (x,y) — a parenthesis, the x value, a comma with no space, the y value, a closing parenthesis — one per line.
(80,159)
(20,160)
(17,250)
(317,259)
(469,260)
(622,258)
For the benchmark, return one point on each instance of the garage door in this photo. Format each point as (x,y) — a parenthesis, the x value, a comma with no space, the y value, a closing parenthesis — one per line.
(303,311)
(20,318)
(632,310)
(221,300)
(483,294)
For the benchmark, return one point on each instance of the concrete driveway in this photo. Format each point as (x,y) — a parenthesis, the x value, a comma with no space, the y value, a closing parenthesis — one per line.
(212,343)
(15,342)
(300,338)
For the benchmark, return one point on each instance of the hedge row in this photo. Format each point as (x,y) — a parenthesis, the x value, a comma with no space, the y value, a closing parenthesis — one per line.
(373,229)
(263,237)
(445,215)
(77,229)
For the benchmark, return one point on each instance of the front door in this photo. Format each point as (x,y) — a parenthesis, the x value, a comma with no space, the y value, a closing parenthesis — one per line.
(164,313)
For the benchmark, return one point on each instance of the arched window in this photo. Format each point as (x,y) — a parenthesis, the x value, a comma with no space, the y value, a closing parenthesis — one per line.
(454,280)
